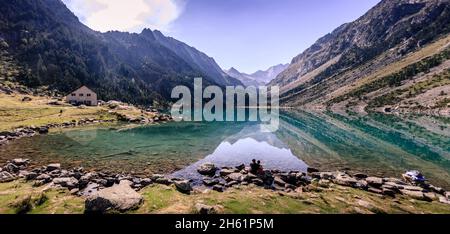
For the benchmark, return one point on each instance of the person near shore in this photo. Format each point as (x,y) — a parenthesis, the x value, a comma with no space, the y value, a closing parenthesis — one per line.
(254,167)
(260,171)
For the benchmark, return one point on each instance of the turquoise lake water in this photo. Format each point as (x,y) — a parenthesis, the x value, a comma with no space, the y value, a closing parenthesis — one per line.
(375,144)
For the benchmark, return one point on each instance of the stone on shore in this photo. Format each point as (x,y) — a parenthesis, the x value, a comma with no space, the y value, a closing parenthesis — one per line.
(6,177)
(53,167)
(67,182)
(375,181)
(205,209)
(207,169)
(183,186)
(119,198)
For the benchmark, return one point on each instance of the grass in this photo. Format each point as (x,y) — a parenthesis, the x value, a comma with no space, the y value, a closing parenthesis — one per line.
(161,199)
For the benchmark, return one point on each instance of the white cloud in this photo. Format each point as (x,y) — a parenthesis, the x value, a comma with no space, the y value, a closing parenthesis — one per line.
(126,15)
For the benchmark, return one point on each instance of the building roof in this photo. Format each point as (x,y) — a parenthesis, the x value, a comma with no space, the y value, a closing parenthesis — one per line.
(84,86)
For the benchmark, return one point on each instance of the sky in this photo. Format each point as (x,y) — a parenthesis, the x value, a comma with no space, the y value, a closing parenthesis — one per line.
(248,35)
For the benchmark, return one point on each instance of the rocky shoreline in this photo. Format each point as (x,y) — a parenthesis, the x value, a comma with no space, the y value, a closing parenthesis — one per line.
(105,192)
(8,136)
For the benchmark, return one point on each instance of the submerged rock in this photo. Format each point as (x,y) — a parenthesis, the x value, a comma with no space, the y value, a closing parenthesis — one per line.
(119,198)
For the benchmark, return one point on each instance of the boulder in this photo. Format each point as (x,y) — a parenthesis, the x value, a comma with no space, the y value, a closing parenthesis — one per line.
(6,177)
(415,194)
(225,172)
(43,130)
(67,182)
(235,177)
(447,195)
(11,168)
(345,180)
(218,188)
(53,167)
(119,198)
(444,200)
(44,178)
(205,209)
(360,176)
(279,181)
(183,186)
(240,167)
(327,175)
(20,162)
(207,169)
(375,181)
(312,170)
(210,182)
(164,180)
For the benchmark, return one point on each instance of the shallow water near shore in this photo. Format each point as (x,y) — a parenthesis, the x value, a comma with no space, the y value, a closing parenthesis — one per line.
(375,144)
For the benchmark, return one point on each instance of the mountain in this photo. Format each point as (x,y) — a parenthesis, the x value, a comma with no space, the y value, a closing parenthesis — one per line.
(258,78)
(392,43)
(52,48)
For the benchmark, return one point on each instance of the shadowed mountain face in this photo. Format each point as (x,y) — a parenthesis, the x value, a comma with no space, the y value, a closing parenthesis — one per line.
(53,48)
(392,29)
(258,78)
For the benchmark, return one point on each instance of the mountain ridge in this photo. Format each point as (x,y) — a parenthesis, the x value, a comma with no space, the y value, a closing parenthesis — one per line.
(55,49)
(259,77)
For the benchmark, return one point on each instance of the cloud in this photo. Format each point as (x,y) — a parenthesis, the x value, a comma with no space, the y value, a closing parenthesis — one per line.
(126,15)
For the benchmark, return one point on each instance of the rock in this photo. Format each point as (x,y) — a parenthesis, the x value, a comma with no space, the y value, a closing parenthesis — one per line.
(447,195)
(218,188)
(437,190)
(327,175)
(345,180)
(235,177)
(241,167)
(210,182)
(415,194)
(413,188)
(430,196)
(44,178)
(207,169)
(85,179)
(232,183)
(279,181)
(164,180)
(205,209)
(43,130)
(154,177)
(375,181)
(66,182)
(11,168)
(183,186)
(90,189)
(360,176)
(312,170)
(444,200)
(258,182)
(375,190)
(31,176)
(20,162)
(53,167)
(119,198)
(392,185)
(6,177)
(225,172)
(388,192)
(248,177)
(146,182)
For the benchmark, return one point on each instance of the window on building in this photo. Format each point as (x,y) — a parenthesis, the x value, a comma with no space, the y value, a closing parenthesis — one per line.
(88,94)
(74,94)
(81,95)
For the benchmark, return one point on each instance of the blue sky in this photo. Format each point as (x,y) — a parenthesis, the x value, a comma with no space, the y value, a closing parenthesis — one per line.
(246,34)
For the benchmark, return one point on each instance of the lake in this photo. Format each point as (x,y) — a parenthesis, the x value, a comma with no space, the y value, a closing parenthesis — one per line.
(376,144)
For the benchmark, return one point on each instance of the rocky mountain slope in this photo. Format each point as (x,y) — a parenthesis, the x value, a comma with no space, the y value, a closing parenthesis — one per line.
(398,35)
(54,49)
(258,78)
